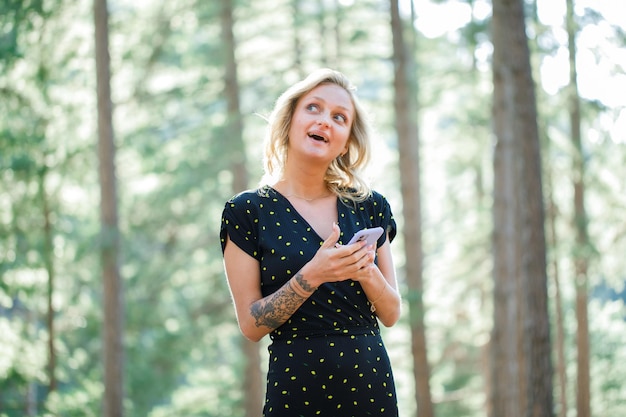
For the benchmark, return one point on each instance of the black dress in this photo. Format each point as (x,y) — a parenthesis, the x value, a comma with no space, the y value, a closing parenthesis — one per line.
(328,359)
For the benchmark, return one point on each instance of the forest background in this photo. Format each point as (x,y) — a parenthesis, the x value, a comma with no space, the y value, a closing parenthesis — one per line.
(183,352)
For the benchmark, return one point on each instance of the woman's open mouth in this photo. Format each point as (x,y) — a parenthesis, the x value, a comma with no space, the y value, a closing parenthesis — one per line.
(318,137)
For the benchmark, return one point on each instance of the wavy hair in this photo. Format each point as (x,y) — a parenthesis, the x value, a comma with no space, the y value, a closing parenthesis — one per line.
(345,173)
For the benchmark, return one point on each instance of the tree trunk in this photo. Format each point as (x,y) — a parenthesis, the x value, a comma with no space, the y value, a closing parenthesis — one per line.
(252,380)
(521,383)
(561,366)
(48,257)
(405,105)
(109,239)
(322,27)
(583,396)
(297,43)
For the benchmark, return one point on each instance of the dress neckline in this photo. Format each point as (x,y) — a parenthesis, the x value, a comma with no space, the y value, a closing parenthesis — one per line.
(297,212)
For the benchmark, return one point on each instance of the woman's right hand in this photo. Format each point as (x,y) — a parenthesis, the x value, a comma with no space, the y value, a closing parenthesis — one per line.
(333,262)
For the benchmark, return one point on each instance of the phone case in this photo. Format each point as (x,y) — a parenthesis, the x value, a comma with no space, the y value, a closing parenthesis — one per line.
(370,235)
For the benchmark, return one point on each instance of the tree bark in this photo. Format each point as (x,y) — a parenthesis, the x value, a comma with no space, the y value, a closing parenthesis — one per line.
(583,395)
(253,379)
(48,257)
(405,106)
(561,366)
(521,383)
(109,238)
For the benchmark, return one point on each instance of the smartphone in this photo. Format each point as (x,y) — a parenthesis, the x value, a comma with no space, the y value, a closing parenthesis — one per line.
(369,235)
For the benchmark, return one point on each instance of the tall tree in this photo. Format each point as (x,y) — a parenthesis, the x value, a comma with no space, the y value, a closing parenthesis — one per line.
(405,106)
(521,383)
(253,380)
(109,238)
(552,241)
(47,254)
(581,253)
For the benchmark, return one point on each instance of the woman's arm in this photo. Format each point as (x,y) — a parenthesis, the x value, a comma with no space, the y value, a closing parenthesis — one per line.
(258,315)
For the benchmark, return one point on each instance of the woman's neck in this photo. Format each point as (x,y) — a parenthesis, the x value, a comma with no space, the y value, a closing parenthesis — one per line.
(304,190)
(303,179)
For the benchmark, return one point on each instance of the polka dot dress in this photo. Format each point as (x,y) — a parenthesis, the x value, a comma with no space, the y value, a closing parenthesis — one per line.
(328,359)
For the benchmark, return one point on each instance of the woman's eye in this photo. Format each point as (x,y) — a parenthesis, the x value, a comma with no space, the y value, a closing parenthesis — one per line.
(312,107)
(341,117)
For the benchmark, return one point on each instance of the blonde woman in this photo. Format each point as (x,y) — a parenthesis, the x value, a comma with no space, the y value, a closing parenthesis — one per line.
(292,274)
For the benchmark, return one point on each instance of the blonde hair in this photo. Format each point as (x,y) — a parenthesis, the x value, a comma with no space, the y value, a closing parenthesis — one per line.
(345,173)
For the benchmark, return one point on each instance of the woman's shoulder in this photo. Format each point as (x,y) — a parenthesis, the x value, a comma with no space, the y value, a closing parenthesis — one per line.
(373,197)
(377,196)
(253,196)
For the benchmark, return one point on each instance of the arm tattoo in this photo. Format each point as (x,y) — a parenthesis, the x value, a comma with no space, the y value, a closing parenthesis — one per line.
(275,310)
(304,283)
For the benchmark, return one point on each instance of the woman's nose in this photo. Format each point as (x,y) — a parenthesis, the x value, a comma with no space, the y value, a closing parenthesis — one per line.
(323,120)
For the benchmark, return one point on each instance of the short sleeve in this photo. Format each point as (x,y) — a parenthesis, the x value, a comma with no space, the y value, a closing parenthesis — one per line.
(240,224)
(385,218)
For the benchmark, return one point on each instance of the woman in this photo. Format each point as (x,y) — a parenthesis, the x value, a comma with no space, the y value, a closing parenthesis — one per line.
(290,271)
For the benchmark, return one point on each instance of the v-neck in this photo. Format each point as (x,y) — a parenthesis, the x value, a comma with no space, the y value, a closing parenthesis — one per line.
(301,217)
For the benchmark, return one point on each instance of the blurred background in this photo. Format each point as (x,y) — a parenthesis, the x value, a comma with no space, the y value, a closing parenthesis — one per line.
(172,69)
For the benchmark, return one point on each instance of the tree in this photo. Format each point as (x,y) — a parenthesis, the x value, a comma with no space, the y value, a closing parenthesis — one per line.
(252,380)
(521,382)
(109,238)
(581,253)
(405,105)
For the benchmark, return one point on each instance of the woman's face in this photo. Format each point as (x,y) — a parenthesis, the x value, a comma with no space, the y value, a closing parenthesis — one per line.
(321,123)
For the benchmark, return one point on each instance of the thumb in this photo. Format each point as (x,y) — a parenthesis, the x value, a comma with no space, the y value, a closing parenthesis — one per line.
(333,238)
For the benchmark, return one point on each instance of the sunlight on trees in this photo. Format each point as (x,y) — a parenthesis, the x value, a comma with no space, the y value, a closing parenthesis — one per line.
(182,345)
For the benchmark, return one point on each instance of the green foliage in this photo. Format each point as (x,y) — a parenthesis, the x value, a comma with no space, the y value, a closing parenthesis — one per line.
(182,344)
(16,18)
